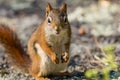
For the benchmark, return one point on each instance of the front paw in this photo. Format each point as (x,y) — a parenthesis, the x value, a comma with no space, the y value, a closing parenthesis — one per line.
(55,59)
(65,57)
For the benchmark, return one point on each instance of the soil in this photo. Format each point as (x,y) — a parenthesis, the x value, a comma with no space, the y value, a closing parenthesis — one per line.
(96,25)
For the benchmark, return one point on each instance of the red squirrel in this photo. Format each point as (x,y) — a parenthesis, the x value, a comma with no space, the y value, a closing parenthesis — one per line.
(48,47)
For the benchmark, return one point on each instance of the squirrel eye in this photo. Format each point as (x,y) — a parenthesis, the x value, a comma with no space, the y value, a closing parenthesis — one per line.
(49,19)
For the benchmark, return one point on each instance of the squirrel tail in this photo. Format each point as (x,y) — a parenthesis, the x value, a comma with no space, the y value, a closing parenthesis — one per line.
(10,41)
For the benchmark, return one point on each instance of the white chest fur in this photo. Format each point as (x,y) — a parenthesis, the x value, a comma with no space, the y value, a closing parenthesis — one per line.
(47,66)
(53,38)
(57,41)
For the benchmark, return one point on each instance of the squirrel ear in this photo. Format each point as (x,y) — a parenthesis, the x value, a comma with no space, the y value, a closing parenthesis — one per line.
(48,8)
(63,7)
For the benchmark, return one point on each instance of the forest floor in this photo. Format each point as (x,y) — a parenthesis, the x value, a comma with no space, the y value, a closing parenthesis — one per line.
(94,25)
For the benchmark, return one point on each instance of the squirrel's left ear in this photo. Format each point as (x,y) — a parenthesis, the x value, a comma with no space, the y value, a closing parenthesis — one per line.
(48,8)
(64,7)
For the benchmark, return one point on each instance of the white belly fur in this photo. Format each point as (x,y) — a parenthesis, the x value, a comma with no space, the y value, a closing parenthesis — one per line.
(47,66)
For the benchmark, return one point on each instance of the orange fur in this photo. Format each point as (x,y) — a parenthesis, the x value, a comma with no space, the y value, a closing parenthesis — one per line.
(14,48)
(39,36)
(44,51)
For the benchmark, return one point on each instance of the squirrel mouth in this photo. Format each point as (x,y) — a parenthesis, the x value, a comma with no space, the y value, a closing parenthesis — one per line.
(57,32)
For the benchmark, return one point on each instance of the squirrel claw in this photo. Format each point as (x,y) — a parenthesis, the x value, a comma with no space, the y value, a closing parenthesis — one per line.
(55,59)
(65,57)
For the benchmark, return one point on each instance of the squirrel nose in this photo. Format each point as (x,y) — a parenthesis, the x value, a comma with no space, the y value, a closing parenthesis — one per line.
(57,30)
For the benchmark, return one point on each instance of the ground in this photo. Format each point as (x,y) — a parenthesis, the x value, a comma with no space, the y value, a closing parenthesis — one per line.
(94,23)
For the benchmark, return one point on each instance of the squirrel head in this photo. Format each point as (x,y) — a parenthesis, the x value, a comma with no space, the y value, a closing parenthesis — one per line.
(56,19)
